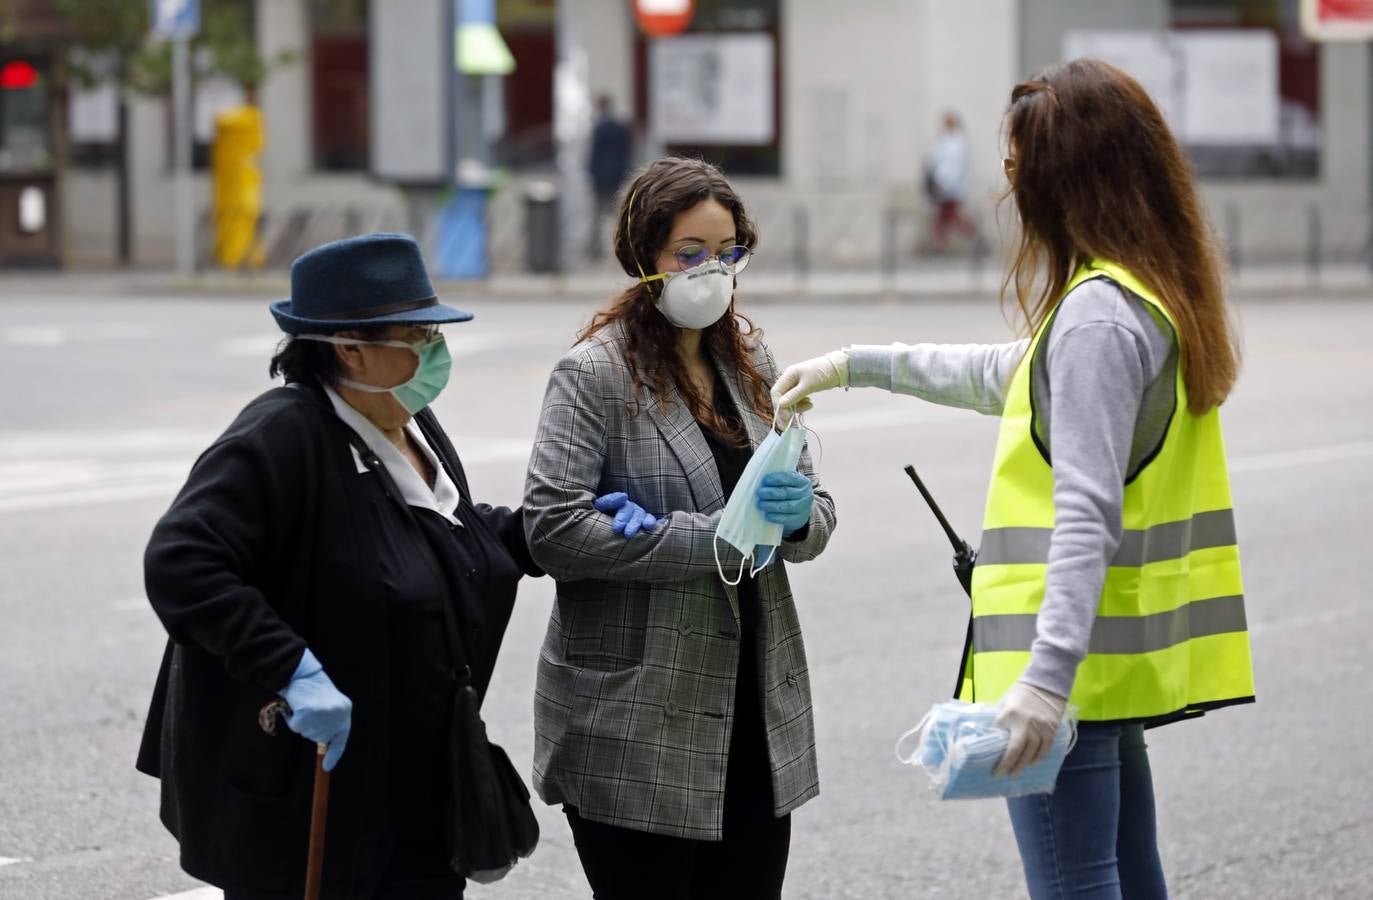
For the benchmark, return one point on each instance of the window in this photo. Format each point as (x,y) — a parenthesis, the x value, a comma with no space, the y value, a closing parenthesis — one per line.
(1287,96)
(25,126)
(716,91)
(339,75)
(92,112)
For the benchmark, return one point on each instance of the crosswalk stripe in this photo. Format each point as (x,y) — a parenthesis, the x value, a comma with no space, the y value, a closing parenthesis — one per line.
(205,893)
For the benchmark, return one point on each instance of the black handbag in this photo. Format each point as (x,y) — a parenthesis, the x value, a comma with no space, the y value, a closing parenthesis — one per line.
(490,823)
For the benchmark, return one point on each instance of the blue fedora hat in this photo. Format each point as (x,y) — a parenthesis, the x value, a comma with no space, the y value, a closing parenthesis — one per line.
(363,281)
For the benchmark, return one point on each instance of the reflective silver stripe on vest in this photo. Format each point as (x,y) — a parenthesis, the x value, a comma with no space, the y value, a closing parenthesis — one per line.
(1171,540)
(1121,634)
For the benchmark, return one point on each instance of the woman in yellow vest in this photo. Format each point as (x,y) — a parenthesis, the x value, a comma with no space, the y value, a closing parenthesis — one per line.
(1108,575)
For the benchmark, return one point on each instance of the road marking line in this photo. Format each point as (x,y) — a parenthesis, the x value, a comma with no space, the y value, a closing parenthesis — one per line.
(886,417)
(1285,626)
(96,495)
(29,445)
(11,860)
(36,336)
(265,343)
(205,893)
(1306,456)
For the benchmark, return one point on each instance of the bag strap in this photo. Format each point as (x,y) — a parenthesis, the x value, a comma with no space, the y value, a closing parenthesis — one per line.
(457,654)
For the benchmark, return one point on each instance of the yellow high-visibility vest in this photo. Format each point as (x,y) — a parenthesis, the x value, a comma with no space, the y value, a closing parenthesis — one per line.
(1170,637)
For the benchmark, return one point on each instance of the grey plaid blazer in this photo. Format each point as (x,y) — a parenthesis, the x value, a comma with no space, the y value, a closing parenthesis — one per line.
(634,698)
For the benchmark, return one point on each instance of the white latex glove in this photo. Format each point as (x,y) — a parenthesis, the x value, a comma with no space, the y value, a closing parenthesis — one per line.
(822,373)
(1032,717)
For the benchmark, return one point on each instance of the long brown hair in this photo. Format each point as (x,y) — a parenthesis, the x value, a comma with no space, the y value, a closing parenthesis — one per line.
(647,209)
(1098,175)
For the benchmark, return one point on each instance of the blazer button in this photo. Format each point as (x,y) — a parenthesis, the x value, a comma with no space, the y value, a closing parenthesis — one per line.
(685,628)
(670,709)
(791,678)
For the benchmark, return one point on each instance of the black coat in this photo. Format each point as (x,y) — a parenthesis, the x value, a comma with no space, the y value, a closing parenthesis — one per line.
(277,542)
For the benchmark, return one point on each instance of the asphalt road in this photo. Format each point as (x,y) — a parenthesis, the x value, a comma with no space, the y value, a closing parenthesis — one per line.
(108,399)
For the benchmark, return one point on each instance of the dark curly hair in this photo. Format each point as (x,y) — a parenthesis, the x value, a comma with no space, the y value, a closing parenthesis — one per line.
(314,362)
(657,194)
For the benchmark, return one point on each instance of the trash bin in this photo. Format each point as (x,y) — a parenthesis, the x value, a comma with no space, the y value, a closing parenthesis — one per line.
(541,227)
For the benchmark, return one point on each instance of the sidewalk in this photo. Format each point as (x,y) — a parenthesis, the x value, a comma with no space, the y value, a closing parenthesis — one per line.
(913,283)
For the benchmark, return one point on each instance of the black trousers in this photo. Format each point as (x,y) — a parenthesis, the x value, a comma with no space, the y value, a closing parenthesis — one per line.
(626,864)
(748,864)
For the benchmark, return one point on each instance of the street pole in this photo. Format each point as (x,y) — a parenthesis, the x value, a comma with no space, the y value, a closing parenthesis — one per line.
(181,155)
(571,130)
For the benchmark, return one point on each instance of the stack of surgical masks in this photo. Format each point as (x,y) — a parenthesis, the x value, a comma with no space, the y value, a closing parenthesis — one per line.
(960,747)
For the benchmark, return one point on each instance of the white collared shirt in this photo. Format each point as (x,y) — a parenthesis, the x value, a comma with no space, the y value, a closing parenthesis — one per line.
(442,498)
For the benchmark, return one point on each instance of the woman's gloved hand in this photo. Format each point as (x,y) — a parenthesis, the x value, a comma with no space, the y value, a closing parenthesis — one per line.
(630,517)
(1032,716)
(786,498)
(822,373)
(319,711)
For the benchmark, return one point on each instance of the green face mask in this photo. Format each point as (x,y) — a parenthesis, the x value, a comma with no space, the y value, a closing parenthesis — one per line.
(429,380)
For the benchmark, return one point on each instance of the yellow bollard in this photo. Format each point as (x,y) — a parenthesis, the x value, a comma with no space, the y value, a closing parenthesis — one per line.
(237,187)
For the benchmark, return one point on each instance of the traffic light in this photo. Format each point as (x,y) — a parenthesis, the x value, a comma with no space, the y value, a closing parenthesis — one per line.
(18,75)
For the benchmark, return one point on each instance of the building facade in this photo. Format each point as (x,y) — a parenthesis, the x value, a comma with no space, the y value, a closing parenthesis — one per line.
(825,121)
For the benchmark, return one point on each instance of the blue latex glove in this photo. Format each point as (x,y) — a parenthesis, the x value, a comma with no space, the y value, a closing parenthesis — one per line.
(786,498)
(630,517)
(319,711)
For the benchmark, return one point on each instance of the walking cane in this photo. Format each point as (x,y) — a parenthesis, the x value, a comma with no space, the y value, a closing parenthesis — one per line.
(319,809)
(319,802)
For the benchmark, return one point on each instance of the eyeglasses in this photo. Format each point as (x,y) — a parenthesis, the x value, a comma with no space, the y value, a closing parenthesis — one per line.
(732,259)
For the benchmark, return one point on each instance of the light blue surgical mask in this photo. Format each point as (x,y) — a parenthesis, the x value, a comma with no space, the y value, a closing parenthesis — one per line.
(743,525)
(960,747)
(422,388)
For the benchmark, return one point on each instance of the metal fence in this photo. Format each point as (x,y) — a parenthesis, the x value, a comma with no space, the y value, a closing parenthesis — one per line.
(841,233)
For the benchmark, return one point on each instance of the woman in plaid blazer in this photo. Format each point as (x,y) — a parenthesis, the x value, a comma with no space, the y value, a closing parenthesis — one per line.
(672,712)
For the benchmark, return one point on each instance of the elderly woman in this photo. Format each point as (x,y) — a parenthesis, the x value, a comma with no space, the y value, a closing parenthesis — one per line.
(309,558)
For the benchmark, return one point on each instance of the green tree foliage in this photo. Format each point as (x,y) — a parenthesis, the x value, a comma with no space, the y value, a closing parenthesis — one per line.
(116,32)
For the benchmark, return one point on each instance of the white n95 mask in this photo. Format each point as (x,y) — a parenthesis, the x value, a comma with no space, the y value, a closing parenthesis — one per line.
(743,525)
(696,298)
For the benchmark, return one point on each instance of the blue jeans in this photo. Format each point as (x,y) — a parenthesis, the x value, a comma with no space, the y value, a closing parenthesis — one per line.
(1094,836)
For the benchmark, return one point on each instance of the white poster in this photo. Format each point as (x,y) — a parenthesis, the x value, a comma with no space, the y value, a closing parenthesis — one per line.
(93,111)
(1215,87)
(1147,55)
(411,54)
(93,114)
(1231,92)
(212,97)
(712,89)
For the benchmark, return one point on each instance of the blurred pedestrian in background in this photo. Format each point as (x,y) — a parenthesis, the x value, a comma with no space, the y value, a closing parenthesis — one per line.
(1108,575)
(672,715)
(947,183)
(608,163)
(309,557)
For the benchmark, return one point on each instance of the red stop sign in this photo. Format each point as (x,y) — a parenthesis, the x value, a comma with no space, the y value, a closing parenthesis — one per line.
(662,18)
